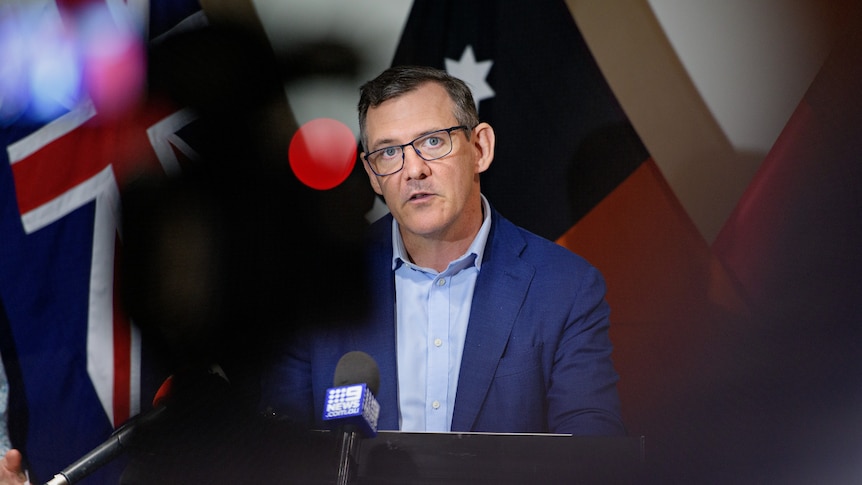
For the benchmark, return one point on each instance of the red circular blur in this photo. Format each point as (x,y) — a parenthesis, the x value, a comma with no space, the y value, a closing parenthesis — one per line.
(322,153)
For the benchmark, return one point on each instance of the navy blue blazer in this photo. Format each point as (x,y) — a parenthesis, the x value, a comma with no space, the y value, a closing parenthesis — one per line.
(537,356)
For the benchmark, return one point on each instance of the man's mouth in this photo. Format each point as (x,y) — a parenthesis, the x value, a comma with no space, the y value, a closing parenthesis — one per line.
(420,196)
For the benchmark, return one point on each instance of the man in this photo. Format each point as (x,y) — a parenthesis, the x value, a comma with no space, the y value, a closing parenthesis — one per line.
(476,324)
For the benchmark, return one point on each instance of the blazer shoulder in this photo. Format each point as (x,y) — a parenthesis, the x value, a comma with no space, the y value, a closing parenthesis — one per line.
(531,247)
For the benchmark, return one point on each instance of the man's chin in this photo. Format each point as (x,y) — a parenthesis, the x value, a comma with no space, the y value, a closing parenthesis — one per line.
(420,225)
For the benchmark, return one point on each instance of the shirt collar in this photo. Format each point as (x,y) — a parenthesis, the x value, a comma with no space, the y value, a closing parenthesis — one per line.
(477,247)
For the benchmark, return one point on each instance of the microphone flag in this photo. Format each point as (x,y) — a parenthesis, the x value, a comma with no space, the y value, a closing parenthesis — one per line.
(352,405)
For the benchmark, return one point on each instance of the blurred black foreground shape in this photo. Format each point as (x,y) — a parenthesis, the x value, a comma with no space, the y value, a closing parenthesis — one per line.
(221,263)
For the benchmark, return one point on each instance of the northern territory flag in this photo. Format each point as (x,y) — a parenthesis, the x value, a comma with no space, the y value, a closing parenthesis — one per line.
(726,352)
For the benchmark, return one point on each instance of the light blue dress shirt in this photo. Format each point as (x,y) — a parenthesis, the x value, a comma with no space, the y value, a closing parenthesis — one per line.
(432,312)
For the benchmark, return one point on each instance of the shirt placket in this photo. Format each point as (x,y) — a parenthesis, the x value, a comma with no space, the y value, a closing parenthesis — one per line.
(437,379)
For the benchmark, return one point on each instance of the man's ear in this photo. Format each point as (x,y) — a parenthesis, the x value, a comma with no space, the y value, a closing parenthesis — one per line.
(483,142)
(374,180)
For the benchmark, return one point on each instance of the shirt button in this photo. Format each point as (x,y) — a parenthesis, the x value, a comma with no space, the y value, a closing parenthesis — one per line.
(435,404)
(438,342)
(441,282)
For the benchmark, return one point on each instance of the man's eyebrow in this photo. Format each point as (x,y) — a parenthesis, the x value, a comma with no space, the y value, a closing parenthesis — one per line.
(388,142)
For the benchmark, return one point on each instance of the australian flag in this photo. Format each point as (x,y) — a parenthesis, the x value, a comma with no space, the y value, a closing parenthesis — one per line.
(76,365)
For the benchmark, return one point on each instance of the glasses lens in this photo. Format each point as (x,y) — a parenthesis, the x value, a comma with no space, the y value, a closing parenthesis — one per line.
(386,160)
(430,147)
(433,145)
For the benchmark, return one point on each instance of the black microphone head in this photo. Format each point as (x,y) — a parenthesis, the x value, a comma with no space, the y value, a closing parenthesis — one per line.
(357,367)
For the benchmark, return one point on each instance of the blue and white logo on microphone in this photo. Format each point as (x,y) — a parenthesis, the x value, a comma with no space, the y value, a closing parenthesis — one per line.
(352,404)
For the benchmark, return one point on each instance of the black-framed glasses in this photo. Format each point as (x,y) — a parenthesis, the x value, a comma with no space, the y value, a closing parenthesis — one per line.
(430,146)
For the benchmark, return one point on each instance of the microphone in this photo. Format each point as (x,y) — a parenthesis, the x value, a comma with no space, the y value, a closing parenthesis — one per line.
(116,444)
(167,402)
(351,407)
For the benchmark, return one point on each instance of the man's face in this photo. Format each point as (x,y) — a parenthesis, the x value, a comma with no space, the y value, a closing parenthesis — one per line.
(436,199)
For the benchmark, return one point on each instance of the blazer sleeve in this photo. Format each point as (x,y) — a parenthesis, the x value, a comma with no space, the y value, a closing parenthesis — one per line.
(287,384)
(582,394)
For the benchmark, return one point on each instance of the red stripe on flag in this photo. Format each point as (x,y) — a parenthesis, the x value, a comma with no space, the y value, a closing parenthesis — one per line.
(80,154)
(59,166)
(122,352)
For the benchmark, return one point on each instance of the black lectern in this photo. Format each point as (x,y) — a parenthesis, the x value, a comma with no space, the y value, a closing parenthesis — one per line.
(469,458)
(259,451)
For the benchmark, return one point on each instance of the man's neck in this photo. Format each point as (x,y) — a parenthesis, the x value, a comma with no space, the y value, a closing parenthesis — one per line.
(438,250)
(435,254)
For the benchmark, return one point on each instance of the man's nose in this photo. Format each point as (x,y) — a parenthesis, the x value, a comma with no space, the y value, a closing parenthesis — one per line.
(414,165)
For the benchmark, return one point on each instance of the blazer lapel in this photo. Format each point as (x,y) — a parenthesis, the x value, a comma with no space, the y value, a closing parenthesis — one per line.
(377,335)
(500,291)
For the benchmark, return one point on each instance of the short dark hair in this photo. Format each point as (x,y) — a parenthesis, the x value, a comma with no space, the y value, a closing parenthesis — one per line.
(398,80)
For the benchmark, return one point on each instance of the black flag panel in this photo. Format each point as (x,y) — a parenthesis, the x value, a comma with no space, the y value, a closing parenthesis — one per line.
(563,141)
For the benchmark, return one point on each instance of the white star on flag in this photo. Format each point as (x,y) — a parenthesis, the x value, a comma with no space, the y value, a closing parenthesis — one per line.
(473,73)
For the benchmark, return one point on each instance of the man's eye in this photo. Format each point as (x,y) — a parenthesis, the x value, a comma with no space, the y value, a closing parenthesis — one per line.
(433,141)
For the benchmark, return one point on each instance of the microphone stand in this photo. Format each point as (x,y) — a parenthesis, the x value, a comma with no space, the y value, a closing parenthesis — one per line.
(107,451)
(347,461)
